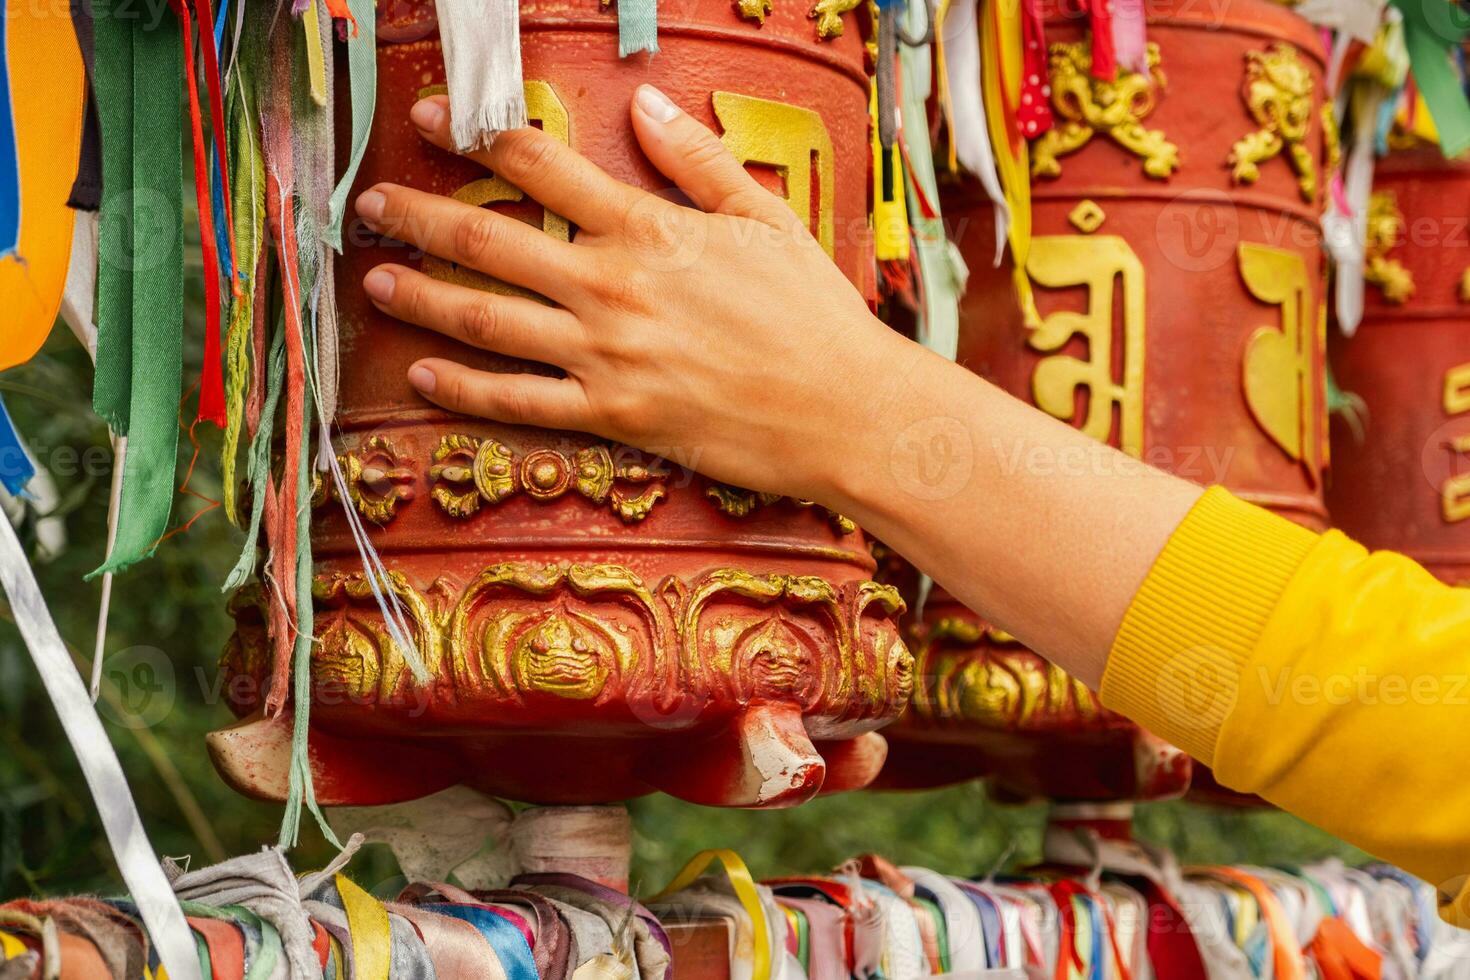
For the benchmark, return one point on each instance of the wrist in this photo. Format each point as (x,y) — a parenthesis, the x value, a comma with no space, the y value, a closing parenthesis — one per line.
(903,448)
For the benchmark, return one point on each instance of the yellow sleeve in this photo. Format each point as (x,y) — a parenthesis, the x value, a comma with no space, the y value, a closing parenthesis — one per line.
(1332,681)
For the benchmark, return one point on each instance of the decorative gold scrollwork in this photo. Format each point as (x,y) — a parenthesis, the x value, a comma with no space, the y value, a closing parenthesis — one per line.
(972,673)
(596,632)
(468,472)
(1278,92)
(739,502)
(1385,231)
(377,481)
(1086,106)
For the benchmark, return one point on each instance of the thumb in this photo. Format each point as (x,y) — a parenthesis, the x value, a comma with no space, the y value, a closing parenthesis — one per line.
(686,152)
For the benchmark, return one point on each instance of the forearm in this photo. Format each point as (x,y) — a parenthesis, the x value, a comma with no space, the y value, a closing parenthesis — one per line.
(1046,531)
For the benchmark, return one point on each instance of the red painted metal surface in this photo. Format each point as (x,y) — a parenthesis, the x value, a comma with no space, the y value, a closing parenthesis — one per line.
(1399,478)
(598,622)
(1166,328)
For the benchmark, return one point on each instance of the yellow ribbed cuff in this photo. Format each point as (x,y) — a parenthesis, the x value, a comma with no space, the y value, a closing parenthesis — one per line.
(1176,662)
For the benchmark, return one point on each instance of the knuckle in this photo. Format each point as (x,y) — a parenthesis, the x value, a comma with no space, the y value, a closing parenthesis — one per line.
(480,323)
(626,291)
(414,301)
(512,404)
(475,235)
(523,153)
(706,150)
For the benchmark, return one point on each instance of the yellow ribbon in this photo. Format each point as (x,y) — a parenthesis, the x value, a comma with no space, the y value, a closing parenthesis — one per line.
(372,939)
(46,92)
(1000,60)
(891,213)
(10,946)
(315,58)
(750,899)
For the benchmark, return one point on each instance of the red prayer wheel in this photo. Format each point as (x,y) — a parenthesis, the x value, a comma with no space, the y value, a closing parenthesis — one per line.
(1178,281)
(1400,474)
(597,622)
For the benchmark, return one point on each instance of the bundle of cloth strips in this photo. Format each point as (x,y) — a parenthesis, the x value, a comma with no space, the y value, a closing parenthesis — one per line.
(252,917)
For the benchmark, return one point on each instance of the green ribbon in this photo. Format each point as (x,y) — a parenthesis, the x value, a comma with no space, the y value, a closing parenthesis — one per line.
(141,265)
(114,94)
(1432,30)
(362,70)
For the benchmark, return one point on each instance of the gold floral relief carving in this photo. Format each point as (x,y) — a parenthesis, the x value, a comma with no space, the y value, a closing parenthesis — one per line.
(828,15)
(468,471)
(739,502)
(376,478)
(756,10)
(1278,94)
(1086,106)
(973,674)
(598,632)
(1385,232)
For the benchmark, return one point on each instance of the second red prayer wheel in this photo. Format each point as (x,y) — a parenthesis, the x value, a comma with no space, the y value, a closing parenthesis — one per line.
(1177,274)
(1401,469)
(597,623)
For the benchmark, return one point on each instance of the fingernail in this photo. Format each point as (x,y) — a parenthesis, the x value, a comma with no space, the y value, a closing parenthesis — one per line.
(656,105)
(421,378)
(426,114)
(370,204)
(379,285)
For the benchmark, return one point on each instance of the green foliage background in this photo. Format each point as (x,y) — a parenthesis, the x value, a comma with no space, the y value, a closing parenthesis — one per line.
(168,615)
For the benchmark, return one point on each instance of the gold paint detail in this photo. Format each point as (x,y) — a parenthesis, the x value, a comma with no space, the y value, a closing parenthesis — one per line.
(598,633)
(739,502)
(828,15)
(377,481)
(1278,93)
(756,10)
(1385,232)
(468,472)
(1097,263)
(1088,216)
(1331,138)
(1464,291)
(1279,366)
(1454,493)
(792,140)
(543,105)
(973,674)
(1086,106)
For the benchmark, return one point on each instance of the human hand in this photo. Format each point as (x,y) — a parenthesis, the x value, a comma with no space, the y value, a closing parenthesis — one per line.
(722,338)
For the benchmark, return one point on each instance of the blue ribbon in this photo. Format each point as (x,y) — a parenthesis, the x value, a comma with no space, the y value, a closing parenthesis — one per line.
(16,468)
(9,158)
(507,941)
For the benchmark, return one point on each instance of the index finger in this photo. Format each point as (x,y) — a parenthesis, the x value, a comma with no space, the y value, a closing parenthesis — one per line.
(543,166)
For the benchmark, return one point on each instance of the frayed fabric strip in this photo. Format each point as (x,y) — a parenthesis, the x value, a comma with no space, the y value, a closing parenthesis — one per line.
(482,61)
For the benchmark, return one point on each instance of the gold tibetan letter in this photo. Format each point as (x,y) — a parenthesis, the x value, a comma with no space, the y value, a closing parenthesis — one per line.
(1059,261)
(1454,493)
(789,138)
(1280,383)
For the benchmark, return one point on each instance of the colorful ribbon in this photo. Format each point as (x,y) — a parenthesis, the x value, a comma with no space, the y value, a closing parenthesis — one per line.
(141,269)
(100,767)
